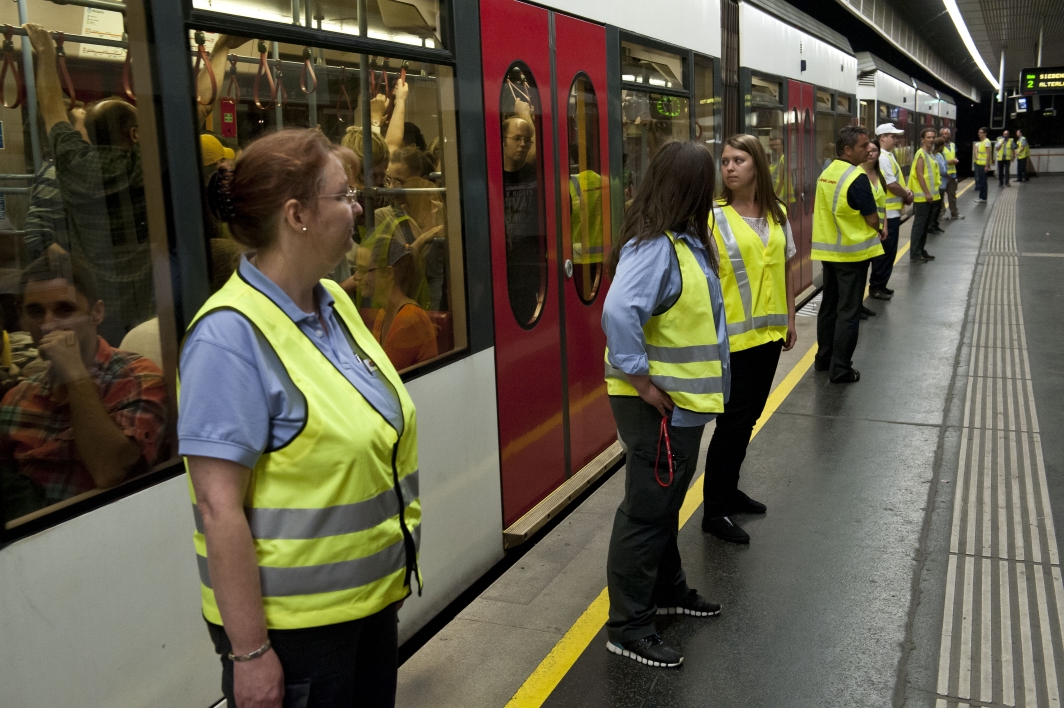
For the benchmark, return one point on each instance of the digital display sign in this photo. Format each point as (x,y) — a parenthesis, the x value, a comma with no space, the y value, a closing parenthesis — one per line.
(1043,80)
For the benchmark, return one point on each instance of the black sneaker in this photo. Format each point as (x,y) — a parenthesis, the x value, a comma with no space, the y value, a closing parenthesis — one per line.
(691,604)
(652,651)
(725,529)
(851,376)
(879,294)
(887,290)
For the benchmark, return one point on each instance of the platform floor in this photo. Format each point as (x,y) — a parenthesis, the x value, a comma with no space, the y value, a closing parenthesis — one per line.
(909,555)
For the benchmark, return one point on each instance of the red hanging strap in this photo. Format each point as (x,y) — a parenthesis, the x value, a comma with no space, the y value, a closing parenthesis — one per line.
(280,93)
(11,65)
(308,71)
(60,60)
(264,68)
(232,90)
(342,96)
(204,59)
(664,434)
(372,76)
(127,78)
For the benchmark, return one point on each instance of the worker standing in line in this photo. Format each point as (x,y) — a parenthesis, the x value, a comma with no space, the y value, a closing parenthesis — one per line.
(949,151)
(753,238)
(846,236)
(1004,151)
(984,160)
(941,174)
(923,181)
(1023,152)
(667,375)
(897,197)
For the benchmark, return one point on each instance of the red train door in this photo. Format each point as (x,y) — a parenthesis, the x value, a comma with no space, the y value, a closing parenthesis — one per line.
(801,156)
(546,280)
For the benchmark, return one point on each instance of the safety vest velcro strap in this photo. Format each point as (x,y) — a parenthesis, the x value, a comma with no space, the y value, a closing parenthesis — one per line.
(328,577)
(757,323)
(683,355)
(708,384)
(846,247)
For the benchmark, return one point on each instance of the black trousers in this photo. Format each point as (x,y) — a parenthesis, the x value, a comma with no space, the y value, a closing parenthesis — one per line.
(921,220)
(751,382)
(839,316)
(980,181)
(1003,172)
(336,666)
(643,566)
(883,266)
(936,212)
(1021,169)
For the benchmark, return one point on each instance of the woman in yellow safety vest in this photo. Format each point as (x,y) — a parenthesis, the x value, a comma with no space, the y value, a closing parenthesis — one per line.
(754,240)
(667,376)
(300,443)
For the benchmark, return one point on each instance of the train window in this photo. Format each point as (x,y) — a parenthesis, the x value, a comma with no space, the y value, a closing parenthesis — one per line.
(524,194)
(790,186)
(811,168)
(653,67)
(649,121)
(866,116)
(405,272)
(414,22)
(764,92)
(842,104)
(85,404)
(705,102)
(823,101)
(766,121)
(825,141)
(587,190)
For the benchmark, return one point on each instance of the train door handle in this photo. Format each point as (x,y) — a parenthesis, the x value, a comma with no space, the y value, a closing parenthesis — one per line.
(568,268)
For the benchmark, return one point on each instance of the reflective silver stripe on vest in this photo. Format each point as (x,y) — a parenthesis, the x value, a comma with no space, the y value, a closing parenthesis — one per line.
(742,280)
(835,206)
(709,384)
(848,248)
(329,521)
(683,355)
(331,577)
(757,323)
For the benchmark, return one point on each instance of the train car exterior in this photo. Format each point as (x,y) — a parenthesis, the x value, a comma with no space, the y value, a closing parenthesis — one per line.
(888,95)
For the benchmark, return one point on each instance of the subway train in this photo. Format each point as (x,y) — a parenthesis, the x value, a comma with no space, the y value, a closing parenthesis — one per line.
(524,129)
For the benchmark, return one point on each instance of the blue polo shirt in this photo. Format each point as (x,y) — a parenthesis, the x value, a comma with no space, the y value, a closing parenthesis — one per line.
(237,399)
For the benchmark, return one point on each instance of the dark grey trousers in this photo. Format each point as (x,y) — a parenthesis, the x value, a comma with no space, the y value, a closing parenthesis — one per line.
(643,567)
(921,220)
(839,316)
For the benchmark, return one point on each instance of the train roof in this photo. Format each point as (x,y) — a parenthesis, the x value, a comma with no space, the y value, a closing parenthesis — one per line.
(926,88)
(792,16)
(868,62)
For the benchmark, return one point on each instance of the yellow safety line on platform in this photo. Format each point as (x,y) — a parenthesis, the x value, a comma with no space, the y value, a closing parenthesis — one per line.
(550,672)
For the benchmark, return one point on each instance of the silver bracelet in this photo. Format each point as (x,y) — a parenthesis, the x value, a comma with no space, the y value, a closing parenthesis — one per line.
(253,655)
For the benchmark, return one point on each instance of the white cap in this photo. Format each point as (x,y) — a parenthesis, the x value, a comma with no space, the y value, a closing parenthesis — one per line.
(888,129)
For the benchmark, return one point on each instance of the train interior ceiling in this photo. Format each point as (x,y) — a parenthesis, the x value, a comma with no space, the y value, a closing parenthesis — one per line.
(498,162)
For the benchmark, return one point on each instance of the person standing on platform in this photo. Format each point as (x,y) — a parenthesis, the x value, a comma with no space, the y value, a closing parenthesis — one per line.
(754,239)
(923,182)
(667,375)
(984,160)
(1023,152)
(846,236)
(301,446)
(1004,151)
(949,151)
(879,193)
(897,197)
(941,174)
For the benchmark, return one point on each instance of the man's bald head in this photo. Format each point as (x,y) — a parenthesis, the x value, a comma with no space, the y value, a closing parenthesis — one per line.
(112,123)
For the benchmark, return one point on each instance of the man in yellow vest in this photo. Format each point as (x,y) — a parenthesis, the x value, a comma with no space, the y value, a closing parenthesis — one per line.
(897,197)
(923,181)
(1023,151)
(984,160)
(1004,151)
(949,151)
(846,235)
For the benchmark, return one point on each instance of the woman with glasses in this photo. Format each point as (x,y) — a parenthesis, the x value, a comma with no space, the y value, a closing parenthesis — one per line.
(301,446)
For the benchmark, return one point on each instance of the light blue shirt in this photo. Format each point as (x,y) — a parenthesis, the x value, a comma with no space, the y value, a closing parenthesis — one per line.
(237,399)
(648,280)
(943,169)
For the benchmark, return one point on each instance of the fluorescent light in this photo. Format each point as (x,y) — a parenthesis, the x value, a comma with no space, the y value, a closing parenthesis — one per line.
(962,29)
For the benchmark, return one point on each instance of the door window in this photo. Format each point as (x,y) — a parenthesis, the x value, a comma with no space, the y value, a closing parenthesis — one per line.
(524,194)
(586,188)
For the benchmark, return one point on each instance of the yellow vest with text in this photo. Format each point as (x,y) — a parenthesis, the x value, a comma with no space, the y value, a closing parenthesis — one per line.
(840,233)
(931,177)
(753,278)
(585,220)
(982,151)
(1005,149)
(681,345)
(334,514)
(894,202)
(949,151)
(1023,149)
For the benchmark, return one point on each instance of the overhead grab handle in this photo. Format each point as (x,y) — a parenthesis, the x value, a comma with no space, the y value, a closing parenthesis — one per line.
(308,71)
(204,59)
(11,65)
(343,97)
(264,68)
(60,60)
(280,93)
(232,90)
(127,75)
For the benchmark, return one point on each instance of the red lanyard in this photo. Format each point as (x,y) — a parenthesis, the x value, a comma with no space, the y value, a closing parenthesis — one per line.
(664,434)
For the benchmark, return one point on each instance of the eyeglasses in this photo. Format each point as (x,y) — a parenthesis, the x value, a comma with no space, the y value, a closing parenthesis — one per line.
(519,139)
(352,195)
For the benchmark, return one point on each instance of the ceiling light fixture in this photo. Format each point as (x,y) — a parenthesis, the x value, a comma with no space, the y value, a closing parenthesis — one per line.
(962,29)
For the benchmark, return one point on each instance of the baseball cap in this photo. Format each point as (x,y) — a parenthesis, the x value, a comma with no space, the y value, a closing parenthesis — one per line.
(888,129)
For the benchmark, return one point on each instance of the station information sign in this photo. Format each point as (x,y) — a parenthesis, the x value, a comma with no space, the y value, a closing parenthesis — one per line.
(1043,80)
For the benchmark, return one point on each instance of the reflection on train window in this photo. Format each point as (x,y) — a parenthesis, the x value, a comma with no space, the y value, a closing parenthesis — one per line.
(586,189)
(84,402)
(792,178)
(649,121)
(405,272)
(705,104)
(765,121)
(653,67)
(810,171)
(523,195)
(842,104)
(823,101)
(414,22)
(825,141)
(866,116)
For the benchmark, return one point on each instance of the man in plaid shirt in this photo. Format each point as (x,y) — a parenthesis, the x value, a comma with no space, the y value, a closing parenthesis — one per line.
(95,416)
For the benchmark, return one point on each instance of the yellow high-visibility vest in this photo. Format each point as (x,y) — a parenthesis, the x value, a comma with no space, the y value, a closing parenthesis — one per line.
(753,278)
(894,202)
(930,171)
(840,233)
(585,219)
(334,514)
(949,151)
(982,151)
(781,182)
(1005,149)
(1023,150)
(681,345)
(880,195)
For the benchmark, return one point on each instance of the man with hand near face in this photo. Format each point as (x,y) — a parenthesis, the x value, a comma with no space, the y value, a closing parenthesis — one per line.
(96,415)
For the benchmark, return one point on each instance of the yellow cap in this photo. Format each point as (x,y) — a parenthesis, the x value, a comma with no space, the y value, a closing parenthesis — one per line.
(211,149)
(228,152)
